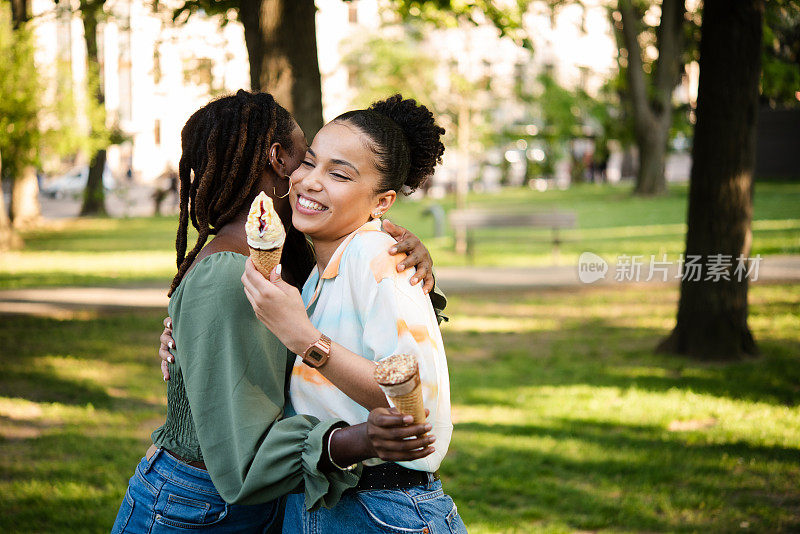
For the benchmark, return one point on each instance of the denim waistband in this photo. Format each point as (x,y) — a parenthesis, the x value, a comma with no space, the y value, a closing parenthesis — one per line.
(178,472)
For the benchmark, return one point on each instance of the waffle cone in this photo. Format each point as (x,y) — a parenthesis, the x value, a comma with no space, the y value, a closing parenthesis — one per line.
(411,403)
(266,260)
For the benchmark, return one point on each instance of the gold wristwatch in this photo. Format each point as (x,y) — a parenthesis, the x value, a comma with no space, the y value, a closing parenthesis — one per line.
(318,352)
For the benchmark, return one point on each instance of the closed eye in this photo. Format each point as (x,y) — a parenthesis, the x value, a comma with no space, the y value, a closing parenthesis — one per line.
(307,163)
(340,176)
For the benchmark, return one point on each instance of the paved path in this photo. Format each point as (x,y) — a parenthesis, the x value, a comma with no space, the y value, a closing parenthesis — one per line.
(471,279)
(453,280)
(129,201)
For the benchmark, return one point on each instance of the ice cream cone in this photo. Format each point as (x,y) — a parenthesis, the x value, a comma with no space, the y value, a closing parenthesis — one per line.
(265,234)
(411,403)
(266,260)
(399,379)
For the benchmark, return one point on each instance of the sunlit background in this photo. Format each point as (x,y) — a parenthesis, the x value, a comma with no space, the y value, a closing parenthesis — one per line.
(571,414)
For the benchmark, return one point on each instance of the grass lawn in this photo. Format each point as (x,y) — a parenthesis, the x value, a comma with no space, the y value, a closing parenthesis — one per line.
(565,419)
(610,222)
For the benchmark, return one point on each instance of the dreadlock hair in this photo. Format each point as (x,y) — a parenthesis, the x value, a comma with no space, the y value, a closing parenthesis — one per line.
(224,153)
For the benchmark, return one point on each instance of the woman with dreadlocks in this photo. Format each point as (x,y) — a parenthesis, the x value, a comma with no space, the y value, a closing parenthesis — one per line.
(224,454)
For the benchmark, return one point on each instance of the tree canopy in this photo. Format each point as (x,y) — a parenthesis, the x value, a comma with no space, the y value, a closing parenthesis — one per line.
(20,91)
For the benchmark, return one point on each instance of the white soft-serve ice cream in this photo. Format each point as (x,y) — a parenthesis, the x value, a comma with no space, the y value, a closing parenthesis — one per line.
(265,234)
(264,228)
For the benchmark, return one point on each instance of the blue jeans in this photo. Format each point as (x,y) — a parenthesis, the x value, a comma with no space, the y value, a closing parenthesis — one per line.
(166,495)
(424,509)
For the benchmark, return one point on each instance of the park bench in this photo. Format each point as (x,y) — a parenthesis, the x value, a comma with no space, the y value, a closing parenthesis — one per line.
(465,222)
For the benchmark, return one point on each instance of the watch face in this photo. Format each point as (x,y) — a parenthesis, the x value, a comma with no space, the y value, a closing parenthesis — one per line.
(317,354)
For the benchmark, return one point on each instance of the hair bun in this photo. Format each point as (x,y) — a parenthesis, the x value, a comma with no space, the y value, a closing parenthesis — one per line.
(421,131)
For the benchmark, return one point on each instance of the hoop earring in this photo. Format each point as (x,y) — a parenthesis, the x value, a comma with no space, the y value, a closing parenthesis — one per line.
(275,193)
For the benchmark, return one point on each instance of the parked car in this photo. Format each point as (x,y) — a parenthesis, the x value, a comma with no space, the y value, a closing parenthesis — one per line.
(73,182)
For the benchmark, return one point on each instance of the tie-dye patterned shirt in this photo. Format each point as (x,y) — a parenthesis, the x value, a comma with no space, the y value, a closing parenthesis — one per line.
(365,305)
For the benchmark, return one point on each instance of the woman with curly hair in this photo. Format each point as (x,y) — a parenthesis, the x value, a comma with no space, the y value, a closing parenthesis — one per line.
(356,309)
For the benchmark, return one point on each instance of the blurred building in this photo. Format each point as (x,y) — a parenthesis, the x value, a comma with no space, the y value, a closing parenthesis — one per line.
(156,73)
(574,44)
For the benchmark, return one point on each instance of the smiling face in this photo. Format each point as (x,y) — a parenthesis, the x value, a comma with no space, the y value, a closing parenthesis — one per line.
(333,190)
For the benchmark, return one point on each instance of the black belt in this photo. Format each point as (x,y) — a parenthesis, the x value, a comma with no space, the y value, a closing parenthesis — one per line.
(392,476)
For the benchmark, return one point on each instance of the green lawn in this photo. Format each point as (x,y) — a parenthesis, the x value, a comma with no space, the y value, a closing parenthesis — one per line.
(565,421)
(610,222)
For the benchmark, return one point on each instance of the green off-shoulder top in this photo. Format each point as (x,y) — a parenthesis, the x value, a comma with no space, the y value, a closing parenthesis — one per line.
(225,397)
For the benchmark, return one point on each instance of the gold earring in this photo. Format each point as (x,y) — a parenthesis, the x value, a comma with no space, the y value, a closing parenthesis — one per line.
(275,193)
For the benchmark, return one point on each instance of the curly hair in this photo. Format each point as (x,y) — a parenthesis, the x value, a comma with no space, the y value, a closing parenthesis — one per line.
(405,140)
(224,153)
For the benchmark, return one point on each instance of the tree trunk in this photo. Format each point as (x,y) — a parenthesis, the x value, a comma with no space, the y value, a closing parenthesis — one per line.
(282,48)
(629,163)
(94,197)
(576,167)
(25,209)
(712,316)
(8,237)
(652,98)
(652,145)
(20,12)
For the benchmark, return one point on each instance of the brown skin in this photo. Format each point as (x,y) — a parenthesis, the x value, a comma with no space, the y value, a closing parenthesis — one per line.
(417,255)
(389,434)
